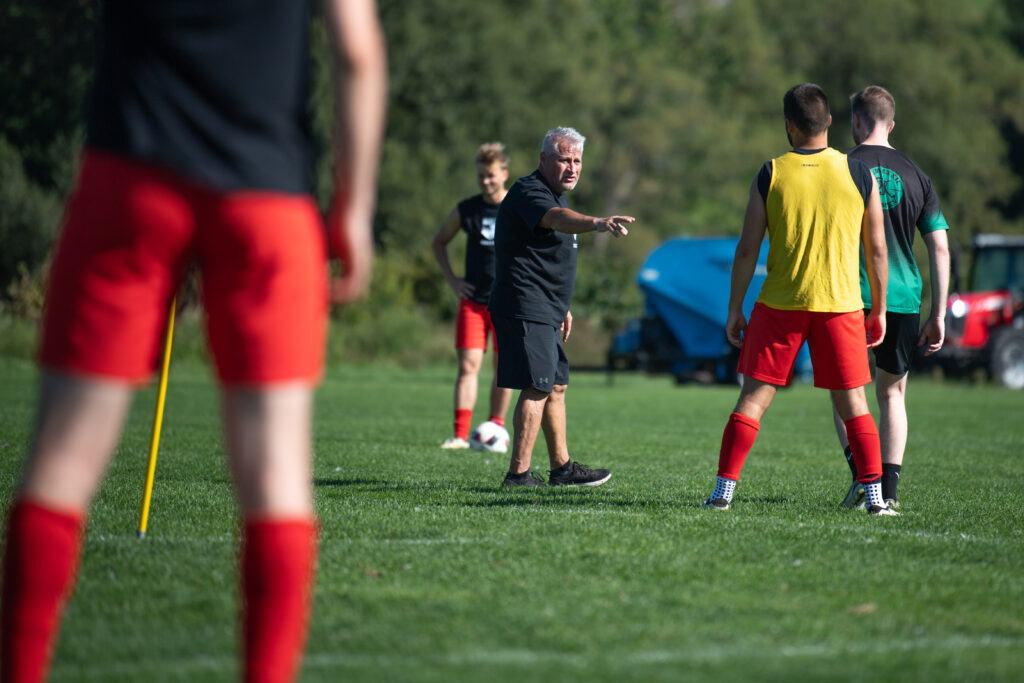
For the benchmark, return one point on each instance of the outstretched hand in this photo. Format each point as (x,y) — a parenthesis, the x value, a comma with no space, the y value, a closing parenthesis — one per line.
(616,225)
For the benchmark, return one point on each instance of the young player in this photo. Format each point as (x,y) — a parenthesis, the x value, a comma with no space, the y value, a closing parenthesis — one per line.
(198,148)
(475,216)
(909,202)
(817,206)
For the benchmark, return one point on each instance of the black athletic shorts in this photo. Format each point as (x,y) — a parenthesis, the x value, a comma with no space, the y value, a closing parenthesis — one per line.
(531,354)
(896,352)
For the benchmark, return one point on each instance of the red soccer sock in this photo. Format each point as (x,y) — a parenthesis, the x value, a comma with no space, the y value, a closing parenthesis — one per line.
(498,420)
(40,566)
(737,440)
(463,418)
(277,581)
(862,433)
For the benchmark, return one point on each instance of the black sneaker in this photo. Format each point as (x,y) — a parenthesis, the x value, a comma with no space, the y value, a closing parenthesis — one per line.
(528,478)
(576,474)
(882,511)
(716,504)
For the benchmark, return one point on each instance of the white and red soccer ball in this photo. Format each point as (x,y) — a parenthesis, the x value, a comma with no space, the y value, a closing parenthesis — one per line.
(490,437)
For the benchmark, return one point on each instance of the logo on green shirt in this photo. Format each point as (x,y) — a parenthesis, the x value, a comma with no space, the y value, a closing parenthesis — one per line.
(890,186)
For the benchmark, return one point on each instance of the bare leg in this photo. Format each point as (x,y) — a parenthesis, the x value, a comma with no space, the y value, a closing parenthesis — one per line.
(269,449)
(844,442)
(78,425)
(892,408)
(526,423)
(465,384)
(500,396)
(553,424)
(755,398)
(849,403)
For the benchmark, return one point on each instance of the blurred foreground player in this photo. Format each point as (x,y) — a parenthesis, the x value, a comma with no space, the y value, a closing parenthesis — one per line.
(817,206)
(198,147)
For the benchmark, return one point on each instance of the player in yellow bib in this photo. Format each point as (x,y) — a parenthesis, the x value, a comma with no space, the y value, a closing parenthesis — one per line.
(817,206)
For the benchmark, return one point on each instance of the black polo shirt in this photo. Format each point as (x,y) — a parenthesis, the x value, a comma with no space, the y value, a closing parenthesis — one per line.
(535,267)
(214,90)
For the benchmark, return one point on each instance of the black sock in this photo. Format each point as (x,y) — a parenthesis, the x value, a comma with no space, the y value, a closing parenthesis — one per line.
(890,480)
(564,468)
(848,452)
(513,475)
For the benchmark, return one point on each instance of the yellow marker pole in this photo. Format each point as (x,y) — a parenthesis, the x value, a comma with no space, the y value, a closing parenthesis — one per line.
(158,417)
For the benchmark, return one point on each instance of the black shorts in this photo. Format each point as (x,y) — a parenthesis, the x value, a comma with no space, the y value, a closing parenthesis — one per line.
(531,354)
(896,352)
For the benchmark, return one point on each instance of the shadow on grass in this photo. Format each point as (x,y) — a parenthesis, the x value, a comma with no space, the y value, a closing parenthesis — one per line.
(366,484)
(555,497)
(448,495)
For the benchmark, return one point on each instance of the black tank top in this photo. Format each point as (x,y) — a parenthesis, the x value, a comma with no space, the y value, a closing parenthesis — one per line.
(215,90)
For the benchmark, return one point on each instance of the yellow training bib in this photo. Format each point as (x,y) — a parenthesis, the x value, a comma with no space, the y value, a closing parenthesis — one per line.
(814,212)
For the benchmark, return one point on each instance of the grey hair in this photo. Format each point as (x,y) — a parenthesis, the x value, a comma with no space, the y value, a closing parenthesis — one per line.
(556,135)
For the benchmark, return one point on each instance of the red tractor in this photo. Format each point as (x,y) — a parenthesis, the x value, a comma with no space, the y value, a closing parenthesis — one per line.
(985,323)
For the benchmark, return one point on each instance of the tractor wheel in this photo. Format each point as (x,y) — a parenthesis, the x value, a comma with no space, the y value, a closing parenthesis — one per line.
(1006,362)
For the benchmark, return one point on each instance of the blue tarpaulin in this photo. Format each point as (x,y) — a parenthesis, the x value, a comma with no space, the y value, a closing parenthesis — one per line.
(686,283)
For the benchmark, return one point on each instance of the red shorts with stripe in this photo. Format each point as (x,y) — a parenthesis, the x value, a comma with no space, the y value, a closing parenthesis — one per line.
(837,342)
(130,230)
(473,326)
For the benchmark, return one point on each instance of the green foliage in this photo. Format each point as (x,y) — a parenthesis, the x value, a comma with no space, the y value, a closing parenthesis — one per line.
(28,221)
(428,571)
(680,102)
(44,74)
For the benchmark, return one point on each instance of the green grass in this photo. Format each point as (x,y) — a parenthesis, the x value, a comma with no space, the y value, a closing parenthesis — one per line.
(429,572)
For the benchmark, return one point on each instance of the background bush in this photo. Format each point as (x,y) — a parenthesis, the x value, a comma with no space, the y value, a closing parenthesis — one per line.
(680,103)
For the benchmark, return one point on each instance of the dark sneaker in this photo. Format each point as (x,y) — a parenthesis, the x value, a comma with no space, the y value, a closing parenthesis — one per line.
(892,502)
(882,511)
(577,474)
(854,497)
(527,479)
(716,504)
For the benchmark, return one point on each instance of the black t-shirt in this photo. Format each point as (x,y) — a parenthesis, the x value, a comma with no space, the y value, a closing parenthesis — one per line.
(215,90)
(478,220)
(535,267)
(909,204)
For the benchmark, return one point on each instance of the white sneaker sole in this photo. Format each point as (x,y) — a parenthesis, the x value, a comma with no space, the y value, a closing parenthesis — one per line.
(589,483)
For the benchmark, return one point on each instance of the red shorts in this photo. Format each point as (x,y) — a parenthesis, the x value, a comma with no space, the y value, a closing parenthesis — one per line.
(837,342)
(472,326)
(130,230)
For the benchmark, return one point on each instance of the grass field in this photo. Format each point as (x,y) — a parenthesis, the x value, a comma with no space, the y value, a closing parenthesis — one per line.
(429,572)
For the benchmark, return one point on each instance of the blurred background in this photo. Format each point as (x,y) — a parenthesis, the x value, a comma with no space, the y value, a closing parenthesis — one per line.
(680,101)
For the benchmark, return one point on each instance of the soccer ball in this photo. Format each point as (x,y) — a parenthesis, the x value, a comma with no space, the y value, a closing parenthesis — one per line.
(489,436)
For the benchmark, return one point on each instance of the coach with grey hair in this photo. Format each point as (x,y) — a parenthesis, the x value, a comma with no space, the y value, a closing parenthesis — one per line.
(535,270)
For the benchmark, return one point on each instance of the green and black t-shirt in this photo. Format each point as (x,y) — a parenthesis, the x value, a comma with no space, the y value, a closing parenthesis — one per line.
(909,202)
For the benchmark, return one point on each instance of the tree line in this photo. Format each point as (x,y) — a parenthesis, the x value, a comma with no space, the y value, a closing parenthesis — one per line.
(680,101)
